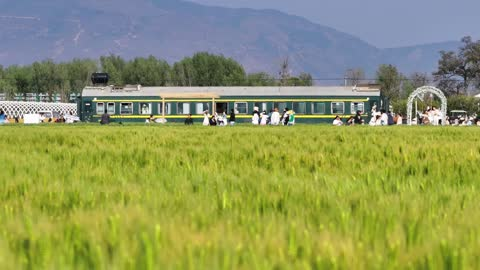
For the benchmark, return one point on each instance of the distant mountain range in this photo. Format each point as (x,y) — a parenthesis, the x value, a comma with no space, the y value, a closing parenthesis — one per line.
(32,30)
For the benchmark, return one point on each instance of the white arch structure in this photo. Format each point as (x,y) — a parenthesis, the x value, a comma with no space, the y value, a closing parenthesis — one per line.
(19,108)
(426,90)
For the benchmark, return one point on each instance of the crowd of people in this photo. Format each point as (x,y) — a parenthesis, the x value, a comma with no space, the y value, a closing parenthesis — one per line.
(263,118)
(431,116)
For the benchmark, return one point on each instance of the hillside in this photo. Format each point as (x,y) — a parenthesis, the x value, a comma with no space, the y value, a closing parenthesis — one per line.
(170,29)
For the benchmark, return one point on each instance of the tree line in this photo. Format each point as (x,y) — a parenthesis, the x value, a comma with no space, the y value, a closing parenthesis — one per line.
(202,69)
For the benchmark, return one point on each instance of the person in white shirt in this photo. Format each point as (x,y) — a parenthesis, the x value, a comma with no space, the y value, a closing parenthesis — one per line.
(263,118)
(337,121)
(206,118)
(275,118)
(255,118)
(399,119)
(384,118)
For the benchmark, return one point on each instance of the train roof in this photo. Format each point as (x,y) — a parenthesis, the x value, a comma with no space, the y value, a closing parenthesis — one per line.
(169,91)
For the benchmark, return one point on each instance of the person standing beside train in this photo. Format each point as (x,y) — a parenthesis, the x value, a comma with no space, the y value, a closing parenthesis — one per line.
(275,118)
(285,117)
(255,118)
(383,118)
(232,117)
(206,118)
(263,118)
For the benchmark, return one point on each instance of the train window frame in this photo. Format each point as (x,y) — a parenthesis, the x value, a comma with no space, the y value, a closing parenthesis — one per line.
(108,107)
(121,108)
(203,107)
(102,111)
(338,103)
(298,111)
(184,103)
(140,105)
(275,105)
(168,106)
(352,107)
(313,108)
(236,107)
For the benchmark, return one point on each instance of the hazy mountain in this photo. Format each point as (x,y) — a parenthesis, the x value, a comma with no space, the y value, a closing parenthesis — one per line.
(33,30)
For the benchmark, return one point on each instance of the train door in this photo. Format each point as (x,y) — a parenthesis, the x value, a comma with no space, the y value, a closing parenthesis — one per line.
(87,112)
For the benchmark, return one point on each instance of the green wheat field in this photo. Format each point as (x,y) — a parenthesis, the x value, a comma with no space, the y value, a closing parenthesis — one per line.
(175,197)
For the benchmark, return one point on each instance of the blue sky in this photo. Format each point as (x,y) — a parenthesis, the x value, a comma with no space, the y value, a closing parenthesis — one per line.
(383,23)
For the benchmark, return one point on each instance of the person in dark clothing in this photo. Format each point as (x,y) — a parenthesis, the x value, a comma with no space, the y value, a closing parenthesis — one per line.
(232,117)
(189,120)
(105,120)
(358,119)
(390,118)
(285,116)
(351,121)
(213,121)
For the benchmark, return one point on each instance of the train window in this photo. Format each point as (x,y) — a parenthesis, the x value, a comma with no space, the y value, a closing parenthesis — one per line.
(241,107)
(100,108)
(338,108)
(126,108)
(168,108)
(111,107)
(300,107)
(183,108)
(262,106)
(280,106)
(202,107)
(145,108)
(357,106)
(318,108)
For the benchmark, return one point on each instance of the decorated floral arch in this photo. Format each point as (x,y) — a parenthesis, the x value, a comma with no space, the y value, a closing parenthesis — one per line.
(427,90)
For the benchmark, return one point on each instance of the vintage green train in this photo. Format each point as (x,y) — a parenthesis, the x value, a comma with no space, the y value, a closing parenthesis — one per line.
(311,104)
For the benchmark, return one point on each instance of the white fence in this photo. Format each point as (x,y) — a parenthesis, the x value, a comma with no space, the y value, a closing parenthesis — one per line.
(18,108)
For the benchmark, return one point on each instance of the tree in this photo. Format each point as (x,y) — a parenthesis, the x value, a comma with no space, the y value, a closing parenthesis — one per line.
(261,79)
(62,82)
(182,73)
(284,72)
(414,81)
(20,78)
(43,78)
(462,102)
(457,72)
(205,69)
(6,86)
(79,72)
(147,71)
(354,76)
(305,79)
(390,80)
(115,67)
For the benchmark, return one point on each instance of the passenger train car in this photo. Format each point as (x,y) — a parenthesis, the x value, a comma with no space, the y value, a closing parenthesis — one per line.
(311,104)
